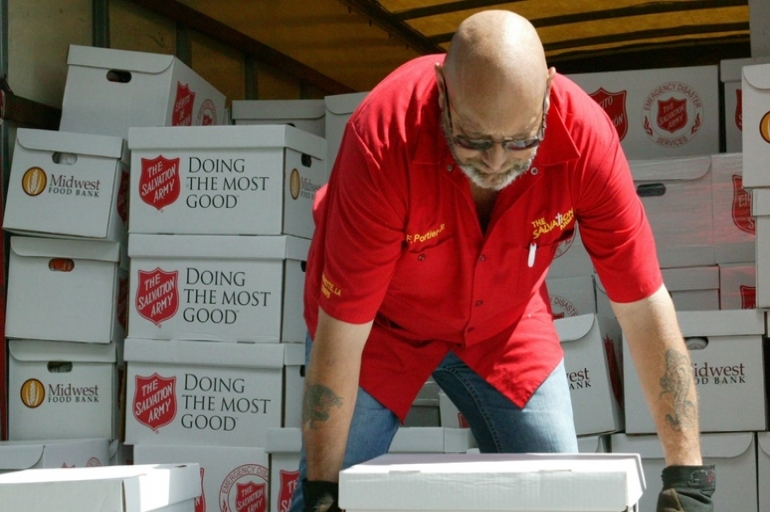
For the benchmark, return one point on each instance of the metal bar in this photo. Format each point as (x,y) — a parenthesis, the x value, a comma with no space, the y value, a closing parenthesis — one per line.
(100,24)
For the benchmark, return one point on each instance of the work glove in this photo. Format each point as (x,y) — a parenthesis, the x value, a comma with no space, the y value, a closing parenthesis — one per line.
(320,496)
(687,489)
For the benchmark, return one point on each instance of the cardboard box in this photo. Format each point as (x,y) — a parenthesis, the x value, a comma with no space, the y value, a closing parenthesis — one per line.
(545,482)
(339,108)
(763,470)
(592,360)
(224,180)
(231,478)
(68,185)
(140,488)
(726,352)
(53,285)
(107,91)
(738,285)
(734,226)
(760,207)
(572,296)
(571,259)
(693,288)
(59,453)
(198,392)
(660,112)
(732,453)
(293,384)
(283,447)
(756,121)
(451,417)
(217,288)
(61,390)
(676,193)
(307,115)
(730,72)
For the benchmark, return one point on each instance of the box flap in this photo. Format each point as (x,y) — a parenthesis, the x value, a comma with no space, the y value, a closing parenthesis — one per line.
(283,440)
(294,354)
(278,109)
(226,247)
(574,327)
(47,351)
(17,455)
(59,248)
(730,69)
(757,76)
(726,322)
(204,353)
(124,60)
(669,169)
(344,104)
(69,142)
(691,278)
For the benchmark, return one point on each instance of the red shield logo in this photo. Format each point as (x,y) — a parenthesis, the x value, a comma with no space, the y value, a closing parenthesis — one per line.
(251,497)
(155,400)
(183,106)
(748,297)
(160,183)
(672,114)
(739,109)
(289,482)
(200,501)
(207,114)
(614,103)
(462,421)
(157,295)
(742,207)
(122,201)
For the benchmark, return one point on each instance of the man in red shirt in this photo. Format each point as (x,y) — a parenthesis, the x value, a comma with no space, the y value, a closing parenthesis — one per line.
(455,182)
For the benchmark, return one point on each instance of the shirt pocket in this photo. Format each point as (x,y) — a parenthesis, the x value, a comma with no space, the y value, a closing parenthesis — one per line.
(428,271)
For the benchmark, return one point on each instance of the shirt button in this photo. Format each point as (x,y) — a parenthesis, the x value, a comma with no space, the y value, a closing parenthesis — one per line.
(534,171)
(421,257)
(479,303)
(482,258)
(450,168)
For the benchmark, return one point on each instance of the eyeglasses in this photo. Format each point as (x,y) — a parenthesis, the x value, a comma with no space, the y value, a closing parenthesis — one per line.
(485,144)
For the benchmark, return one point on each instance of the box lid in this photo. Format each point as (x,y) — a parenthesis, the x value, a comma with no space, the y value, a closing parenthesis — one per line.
(574,327)
(278,109)
(341,104)
(69,142)
(691,278)
(226,247)
(730,69)
(283,440)
(670,169)
(221,137)
(204,353)
(757,76)
(124,60)
(59,248)
(725,322)
(49,351)
(461,482)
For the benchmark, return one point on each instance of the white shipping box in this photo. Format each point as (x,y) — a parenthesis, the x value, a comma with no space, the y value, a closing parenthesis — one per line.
(145,488)
(738,285)
(756,122)
(68,185)
(306,114)
(726,352)
(486,482)
(732,453)
(693,288)
(760,207)
(224,180)
(107,91)
(572,296)
(730,72)
(62,390)
(232,478)
(660,112)
(53,453)
(339,108)
(734,226)
(283,447)
(763,470)
(65,290)
(217,288)
(197,392)
(592,353)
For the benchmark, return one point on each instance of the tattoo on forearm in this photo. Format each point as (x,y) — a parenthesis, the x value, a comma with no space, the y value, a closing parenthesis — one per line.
(677,382)
(317,403)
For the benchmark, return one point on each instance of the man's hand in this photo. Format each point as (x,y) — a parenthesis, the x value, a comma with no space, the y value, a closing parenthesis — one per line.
(687,489)
(320,496)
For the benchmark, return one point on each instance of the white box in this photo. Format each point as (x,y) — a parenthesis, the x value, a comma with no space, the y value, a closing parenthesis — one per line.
(283,446)
(730,72)
(571,258)
(660,112)
(121,454)
(451,417)
(756,122)
(224,180)
(425,409)
(293,384)
(459,440)
(676,193)
(140,488)
(572,296)
(726,352)
(307,114)
(418,440)
(734,226)
(763,470)
(53,453)
(231,477)
(197,392)
(592,353)
(594,444)
(738,285)
(693,288)
(760,207)
(68,185)
(486,482)
(733,454)
(107,91)
(62,390)
(339,108)
(61,281)
(217,288)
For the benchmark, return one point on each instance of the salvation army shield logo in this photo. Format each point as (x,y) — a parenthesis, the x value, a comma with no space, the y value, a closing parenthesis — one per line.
(748,297)
(160,182)
(245,489)
(739,109)
(207,114)
(742,207)
(614,104)
(154,400)
(251,497)
(289,481)
(183,106)
(157,295)
(200,501)
(672,114)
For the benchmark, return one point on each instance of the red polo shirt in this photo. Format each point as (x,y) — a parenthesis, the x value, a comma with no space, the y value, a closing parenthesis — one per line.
(398,240)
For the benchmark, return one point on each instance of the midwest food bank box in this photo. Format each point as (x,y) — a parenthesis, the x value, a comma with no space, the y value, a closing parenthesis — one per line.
(53,453)
(545,482)
(217,288)
(306,115)
(198,392)
(756,125)
(68,185)
(225,180)
(139,488)
(231,478)
(660,112)
(734,225)
(107,91)
(66,290)
(62,390)
(726,353)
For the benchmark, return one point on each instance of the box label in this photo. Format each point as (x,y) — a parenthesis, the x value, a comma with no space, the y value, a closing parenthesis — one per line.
(183,105)
(672,114)
(160,181)
(155,400)
(289,482)
(157,295)
(245,489)
(614,103)
(742,206)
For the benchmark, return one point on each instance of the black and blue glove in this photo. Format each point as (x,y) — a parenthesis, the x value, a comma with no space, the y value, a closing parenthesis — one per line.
(687,489)
(320,496)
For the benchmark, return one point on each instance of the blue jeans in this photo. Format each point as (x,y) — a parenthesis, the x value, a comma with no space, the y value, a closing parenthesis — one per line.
(544,425)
